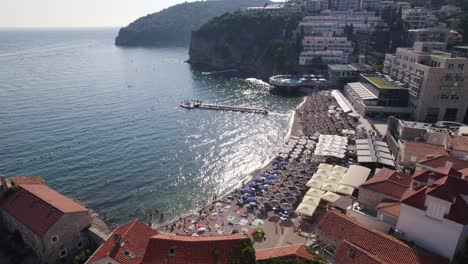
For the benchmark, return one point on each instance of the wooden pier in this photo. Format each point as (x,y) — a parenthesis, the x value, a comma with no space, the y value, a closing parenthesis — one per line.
(201,105)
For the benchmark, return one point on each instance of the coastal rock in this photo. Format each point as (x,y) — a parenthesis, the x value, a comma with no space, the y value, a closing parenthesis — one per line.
(261,44)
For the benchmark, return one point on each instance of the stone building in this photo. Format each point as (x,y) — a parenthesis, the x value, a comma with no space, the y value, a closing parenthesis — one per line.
(51,224)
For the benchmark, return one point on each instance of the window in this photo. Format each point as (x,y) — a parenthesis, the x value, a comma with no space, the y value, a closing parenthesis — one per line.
(461,66)
(54,239)
(450,66)
(172,251)
(63,253)
(450,114)
(432,114)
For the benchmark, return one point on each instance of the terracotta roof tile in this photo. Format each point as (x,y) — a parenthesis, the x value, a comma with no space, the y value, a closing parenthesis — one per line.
(389,207)
(18,180)
(436,161)
(458,143)
(421,150)
(424,175)
(379,245)
(134,240)
(350,253)
(293,251)
(389,182)
(188,249)
(449,189)
(39,207)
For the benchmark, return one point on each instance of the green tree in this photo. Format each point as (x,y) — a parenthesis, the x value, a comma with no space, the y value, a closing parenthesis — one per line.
(82,257)
(243,253)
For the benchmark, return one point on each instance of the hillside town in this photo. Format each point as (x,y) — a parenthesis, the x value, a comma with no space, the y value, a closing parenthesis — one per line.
(375,169)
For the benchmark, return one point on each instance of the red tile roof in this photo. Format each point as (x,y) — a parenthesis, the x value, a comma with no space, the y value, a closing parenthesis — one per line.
(349,253)
(449,189)
(18,180)
(389,207)
(134,240)
(377,244)
(436,161)
(421,150)
(38,207)
(458,143)
(389,182)
(293,251)
(424,175)
(189,249)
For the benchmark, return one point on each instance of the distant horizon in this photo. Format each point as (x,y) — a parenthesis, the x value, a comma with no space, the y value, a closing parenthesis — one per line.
(79,14)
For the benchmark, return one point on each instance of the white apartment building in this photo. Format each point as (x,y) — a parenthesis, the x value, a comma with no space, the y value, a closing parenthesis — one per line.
(315,6)
(317,43)
(327,57)
(333,25)
(418,17)
(437,82)
(433,216)
(344,5)
(370,5)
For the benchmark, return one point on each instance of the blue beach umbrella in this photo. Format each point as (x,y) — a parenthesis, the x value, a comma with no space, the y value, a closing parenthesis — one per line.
(268,182)
(245,190)
(276,172)
(276,161)
(251,199)
(262,187)
(252,184)
(271,177)
(264,174)
(284,163)
(258,180)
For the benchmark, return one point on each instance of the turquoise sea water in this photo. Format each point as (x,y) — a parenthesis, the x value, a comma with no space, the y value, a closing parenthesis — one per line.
(103,123)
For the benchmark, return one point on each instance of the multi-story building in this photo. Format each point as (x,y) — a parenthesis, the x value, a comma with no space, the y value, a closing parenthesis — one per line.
(418,17)
(323,56)
(339,75)
(344,5)
(334,24)
(436,81)
(433,214)
(52,225)
(370,5)
(430,34)
(460,51)
(317,43)
(315,6)
(376,95)
(396,5)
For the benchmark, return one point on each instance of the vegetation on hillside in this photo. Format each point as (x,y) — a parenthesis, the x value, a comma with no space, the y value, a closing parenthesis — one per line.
(175,24)
(274,35)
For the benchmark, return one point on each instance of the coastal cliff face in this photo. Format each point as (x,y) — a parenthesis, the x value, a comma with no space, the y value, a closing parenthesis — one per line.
(259,44)
(174,24)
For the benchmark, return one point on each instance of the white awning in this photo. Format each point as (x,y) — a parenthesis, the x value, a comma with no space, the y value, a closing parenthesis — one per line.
(355,176)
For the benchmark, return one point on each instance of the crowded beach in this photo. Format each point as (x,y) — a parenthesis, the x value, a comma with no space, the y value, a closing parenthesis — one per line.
(285,200)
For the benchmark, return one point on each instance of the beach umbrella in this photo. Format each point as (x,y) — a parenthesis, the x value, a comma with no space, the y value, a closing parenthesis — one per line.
(344,189)
(275,161)
(268,182)
(258,180)
(251,199)
(262,187)
(304,209)
(284,190)
(201,229)
(284,156)
(264,174)
(295,193)
(283,163)
(216,226)
(245,191)
(288,183)
(333,180)
(257,222)
(274,203)
(280,196)
(290,199)
(271,177)
(311,200)
(329,187)
(268,194)
(331,197)
(276,171)
(299,187)
(252,184)
(286,206)
(302,180)
(315,192)
(262,199)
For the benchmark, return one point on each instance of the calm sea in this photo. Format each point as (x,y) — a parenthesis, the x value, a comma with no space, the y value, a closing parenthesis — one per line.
(103,123)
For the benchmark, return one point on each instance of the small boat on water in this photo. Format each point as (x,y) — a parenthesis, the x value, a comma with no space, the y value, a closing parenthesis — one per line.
(189,104)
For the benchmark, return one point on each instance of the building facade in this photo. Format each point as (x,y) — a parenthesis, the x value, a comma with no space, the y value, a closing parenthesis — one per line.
(344,5)
(436,81)
(339,75)
(325,56)
(418,17)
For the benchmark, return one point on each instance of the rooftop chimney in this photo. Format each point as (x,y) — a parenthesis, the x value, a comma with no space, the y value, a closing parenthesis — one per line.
(430,180)
(449,164)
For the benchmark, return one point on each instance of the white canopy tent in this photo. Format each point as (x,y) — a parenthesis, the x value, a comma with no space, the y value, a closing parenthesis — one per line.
(355,176)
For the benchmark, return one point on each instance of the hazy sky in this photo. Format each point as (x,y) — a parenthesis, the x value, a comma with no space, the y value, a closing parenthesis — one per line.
(77,13)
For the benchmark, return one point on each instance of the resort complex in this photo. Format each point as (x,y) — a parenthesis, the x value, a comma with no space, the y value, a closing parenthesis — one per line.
(374,168)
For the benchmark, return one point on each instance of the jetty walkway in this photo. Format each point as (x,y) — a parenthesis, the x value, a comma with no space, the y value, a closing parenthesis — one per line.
(199,104)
